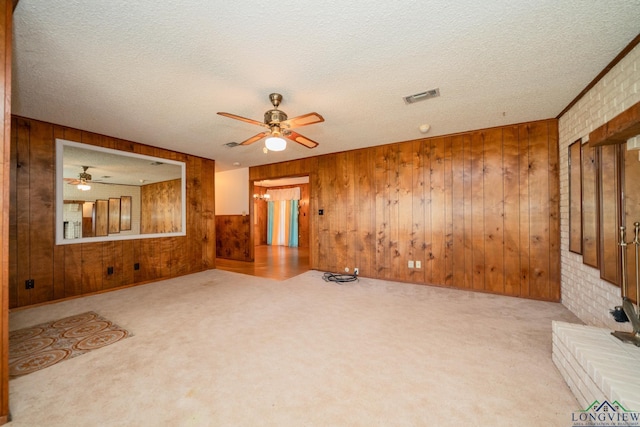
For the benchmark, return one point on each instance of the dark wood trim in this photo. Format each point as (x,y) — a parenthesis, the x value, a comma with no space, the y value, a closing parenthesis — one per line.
(5,85)
(628,48)
(252,218)
(619,129)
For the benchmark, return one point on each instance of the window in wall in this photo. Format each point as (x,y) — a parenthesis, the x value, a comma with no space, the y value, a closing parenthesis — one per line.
(575,197)
(631,212)
(589,212)
(609,212)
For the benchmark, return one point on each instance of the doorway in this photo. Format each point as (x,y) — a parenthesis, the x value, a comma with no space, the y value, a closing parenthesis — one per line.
(278,262)
(283,255)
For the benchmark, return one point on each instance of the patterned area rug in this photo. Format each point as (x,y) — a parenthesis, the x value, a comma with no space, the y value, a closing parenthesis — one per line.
(41,346)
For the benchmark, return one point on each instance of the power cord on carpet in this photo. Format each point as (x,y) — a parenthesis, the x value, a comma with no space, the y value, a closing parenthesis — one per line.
(339,278)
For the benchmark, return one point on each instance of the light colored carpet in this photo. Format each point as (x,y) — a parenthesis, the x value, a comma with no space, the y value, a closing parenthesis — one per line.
(224,349)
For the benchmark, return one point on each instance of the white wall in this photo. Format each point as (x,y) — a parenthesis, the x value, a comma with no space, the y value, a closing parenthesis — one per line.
(583,292)
(232,192)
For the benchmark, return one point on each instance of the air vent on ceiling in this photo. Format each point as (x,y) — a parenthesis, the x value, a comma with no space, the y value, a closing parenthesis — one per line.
(433,93)
(231,144)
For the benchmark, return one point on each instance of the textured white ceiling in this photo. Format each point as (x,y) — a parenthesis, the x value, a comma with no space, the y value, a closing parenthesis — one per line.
(157,72)
(109,168)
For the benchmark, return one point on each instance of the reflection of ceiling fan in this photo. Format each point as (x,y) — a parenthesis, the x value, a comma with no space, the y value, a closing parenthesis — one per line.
(279,125)
(82,181)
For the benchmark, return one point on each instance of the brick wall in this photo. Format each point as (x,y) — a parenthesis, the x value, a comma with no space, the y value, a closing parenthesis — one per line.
(583,292)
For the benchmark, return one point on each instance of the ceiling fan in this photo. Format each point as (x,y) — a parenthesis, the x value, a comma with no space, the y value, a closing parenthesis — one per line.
(82,181)
(279,125)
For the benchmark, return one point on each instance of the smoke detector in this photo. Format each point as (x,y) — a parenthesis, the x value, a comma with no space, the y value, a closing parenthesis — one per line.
(428,94)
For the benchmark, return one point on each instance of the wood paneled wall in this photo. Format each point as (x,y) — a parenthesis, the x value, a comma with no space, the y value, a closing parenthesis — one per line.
(233,237)
(161,210)
(479,210)
(61,271)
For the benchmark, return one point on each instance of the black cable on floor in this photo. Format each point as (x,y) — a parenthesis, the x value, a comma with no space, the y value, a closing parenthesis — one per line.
(339,278)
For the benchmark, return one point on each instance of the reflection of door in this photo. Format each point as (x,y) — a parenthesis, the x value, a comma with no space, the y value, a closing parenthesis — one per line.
(102,218)
(114,215)
(87,219)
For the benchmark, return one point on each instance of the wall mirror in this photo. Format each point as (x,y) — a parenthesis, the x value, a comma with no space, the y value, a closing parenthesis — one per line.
(104,194)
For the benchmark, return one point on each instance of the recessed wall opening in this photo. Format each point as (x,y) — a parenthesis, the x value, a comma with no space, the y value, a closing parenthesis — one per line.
(279,226)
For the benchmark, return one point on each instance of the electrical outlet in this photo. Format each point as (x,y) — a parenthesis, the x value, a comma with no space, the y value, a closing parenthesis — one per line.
(410,264)
(356,271)
(418,264)
(136,266)
(29,284)
(109,270)
(346,269)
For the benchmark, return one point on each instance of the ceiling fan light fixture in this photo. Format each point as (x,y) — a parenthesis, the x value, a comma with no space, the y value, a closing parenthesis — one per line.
(274,143)
(83,186)
(278,124)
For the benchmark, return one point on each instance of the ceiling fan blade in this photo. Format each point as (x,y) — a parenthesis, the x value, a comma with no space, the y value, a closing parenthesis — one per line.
(300,139)
(72,181)
(255,138)
(304,120)
(243,119)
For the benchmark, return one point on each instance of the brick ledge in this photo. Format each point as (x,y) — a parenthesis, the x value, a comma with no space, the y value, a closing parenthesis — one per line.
(596,365)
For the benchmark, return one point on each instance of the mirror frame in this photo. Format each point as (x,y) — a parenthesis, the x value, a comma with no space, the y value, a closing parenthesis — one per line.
(59,197)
